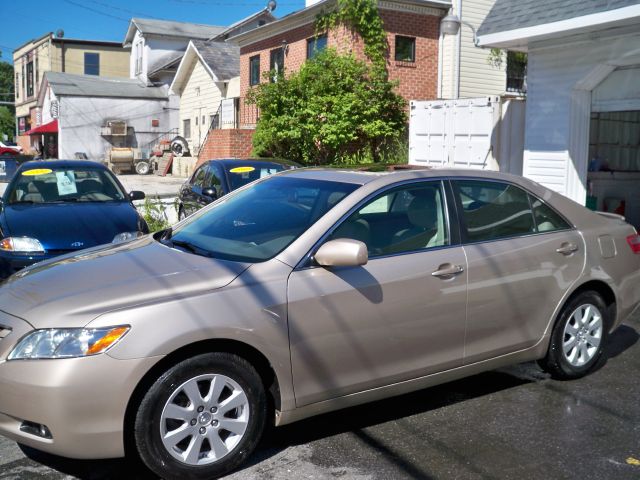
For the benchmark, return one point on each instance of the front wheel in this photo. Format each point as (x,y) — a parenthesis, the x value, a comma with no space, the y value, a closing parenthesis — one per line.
(202,418)
(578,337)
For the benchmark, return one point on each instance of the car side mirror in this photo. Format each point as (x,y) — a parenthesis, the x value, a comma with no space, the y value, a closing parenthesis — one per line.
(136,195)
(342,252)
(210,192)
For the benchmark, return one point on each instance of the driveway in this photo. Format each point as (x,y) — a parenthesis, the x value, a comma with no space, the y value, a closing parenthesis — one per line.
(513,423)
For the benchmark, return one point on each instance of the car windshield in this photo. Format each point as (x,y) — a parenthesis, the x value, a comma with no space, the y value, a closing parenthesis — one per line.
(239,175)
(256,224)
(64,184)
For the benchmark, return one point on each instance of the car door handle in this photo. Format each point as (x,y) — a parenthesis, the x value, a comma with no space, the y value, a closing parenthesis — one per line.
(567,248)
(447,270)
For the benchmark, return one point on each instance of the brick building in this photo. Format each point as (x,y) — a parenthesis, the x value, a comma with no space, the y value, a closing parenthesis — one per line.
(412,28)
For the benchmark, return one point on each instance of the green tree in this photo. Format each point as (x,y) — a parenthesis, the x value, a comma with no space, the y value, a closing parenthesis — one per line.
(7,113)
(334,108)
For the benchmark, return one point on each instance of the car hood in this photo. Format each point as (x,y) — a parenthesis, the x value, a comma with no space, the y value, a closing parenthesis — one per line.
(72,290)
(70,226)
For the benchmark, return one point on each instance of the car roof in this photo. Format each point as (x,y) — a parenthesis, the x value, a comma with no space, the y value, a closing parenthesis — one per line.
(62,164)
(252,162)
(362,177)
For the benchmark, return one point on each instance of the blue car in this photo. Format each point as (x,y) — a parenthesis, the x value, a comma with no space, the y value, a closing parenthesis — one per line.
(55,207)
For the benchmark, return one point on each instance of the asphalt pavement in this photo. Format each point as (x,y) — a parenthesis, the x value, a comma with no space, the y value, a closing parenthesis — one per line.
(512,423)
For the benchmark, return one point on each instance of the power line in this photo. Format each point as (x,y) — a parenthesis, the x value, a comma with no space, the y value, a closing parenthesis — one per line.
(94,10)
(126,10)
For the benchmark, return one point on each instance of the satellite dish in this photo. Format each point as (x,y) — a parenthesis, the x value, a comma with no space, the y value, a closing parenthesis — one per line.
(60,32)
(271,5)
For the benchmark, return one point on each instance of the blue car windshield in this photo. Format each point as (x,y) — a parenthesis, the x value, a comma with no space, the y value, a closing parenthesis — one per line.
(257,223)
(239,176)
(54,185)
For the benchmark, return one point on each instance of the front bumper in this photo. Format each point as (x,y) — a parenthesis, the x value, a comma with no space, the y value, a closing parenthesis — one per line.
(82,401)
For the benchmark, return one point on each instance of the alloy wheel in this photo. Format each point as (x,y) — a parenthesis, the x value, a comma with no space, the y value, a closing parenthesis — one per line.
(582,335)
(204,419)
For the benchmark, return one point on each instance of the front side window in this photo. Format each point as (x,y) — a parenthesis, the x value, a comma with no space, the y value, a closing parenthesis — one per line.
(198,177)
(315,45)
(254,70)
(255,224)
(91,63)
(48,185)
(405,219)
(494,210)
(405,49)
(276,64)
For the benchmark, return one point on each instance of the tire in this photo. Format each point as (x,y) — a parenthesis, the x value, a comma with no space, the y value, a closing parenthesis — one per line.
(578,337)
(179,146)
(143,168)
(204,449)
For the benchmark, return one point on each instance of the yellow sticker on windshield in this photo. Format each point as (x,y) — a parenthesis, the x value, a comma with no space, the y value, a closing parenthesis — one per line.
(242,169)
(37,171)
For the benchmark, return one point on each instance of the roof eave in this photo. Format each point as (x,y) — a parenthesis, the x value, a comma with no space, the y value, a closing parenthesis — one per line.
(520,38)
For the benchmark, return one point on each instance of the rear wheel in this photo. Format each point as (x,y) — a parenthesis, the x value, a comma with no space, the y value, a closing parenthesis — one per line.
(578,337)
(202,418)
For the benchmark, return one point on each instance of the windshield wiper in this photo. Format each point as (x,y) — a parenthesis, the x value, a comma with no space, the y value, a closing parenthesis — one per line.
(190,247)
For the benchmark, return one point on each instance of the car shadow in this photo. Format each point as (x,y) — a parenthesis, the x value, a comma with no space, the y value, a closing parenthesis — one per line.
(353,419)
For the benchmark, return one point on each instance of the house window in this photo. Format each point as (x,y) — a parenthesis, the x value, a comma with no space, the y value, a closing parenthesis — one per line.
(254,70)
(30,79)
(405,49)
(91,63)
(516,71)
(276,64)
(315,45)
(139,50)
(17,85)
(186,128)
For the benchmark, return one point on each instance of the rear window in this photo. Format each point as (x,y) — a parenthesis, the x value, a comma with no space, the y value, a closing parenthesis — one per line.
(494,210)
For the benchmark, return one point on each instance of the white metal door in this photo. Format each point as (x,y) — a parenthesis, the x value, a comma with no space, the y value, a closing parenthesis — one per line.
(454,133)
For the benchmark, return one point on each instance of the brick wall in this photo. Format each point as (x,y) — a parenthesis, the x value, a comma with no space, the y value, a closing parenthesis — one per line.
(227,143)
(417,80)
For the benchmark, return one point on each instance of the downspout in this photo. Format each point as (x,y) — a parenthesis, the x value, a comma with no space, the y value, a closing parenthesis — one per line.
(456,91)
(62,53)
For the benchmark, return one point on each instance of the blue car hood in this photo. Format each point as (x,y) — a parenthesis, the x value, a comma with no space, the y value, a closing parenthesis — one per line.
(70,226)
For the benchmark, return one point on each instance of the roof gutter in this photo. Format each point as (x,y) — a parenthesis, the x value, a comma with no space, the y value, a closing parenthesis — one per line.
(522,36)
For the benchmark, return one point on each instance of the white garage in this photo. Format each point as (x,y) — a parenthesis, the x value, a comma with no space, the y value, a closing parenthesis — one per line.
(582,127)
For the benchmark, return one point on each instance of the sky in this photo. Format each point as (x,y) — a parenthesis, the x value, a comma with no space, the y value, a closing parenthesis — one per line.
(23,20)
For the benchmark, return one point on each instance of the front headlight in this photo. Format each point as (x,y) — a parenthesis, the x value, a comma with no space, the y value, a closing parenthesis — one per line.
(67,342)
(125,237)
(21,244)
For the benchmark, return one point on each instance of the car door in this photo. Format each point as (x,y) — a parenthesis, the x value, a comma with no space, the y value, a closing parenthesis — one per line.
(522,257)
(399,317)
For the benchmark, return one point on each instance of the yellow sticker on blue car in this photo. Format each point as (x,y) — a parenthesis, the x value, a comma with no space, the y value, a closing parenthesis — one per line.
(242,169)
(36,171)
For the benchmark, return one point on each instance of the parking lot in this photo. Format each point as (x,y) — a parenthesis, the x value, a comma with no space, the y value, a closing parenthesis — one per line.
(511,423)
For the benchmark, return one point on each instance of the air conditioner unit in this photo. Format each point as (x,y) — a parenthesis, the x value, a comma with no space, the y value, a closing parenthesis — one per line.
(118,128)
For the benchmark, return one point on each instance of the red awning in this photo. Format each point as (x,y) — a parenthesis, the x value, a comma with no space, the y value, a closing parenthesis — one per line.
(51,127)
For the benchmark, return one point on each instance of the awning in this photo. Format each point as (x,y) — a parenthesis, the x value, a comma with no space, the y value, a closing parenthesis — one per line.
(51,127)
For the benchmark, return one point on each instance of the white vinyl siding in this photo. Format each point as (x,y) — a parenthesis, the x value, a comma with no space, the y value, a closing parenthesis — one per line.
(554,74)
(194,105)
(477,77)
